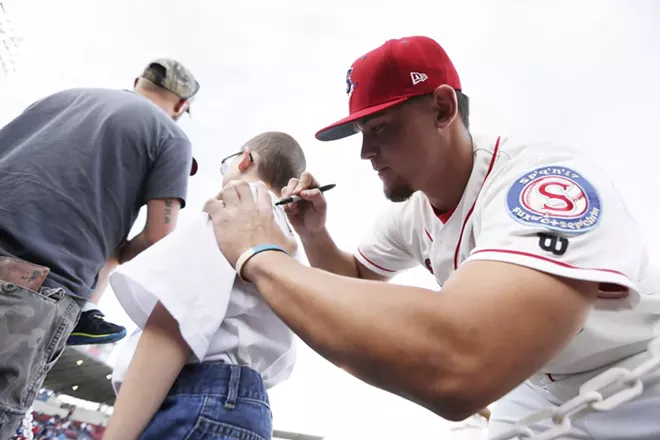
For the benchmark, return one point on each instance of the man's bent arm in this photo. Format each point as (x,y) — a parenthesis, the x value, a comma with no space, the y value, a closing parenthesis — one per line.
(162,215)
(454,352)
(323,253)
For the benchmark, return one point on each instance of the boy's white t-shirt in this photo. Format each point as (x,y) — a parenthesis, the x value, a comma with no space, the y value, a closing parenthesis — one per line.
(219,316)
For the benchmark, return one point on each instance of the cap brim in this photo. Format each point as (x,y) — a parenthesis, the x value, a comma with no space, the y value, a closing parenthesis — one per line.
(193,169)
(346,127)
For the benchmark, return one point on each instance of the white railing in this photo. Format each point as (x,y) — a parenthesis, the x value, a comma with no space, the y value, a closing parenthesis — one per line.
(589,399)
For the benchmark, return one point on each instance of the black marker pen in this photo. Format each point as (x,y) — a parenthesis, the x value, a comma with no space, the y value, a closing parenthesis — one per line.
(292,199)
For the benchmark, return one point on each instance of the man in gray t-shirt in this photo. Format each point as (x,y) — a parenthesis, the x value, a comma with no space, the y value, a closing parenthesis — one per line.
(75,169)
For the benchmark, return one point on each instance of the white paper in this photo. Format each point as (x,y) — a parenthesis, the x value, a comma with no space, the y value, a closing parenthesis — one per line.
(188,274)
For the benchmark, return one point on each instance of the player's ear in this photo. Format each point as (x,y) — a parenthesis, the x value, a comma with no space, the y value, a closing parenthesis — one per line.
(445,105)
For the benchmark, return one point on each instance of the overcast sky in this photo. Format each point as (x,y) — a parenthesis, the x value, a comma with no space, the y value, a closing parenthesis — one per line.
(582,73)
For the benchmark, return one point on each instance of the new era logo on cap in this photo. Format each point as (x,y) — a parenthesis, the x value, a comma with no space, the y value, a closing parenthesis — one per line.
(389,75)
(418,77)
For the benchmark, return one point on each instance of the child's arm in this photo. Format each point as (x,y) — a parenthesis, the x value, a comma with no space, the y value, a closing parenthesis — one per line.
(159,357)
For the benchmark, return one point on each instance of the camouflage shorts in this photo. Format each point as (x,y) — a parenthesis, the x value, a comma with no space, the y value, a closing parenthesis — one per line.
(34,327)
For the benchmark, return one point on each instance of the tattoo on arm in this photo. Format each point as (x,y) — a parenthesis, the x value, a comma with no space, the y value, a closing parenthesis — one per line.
(168,211)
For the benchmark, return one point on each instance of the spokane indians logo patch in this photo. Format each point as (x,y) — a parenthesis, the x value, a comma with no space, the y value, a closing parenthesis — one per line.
(556,198)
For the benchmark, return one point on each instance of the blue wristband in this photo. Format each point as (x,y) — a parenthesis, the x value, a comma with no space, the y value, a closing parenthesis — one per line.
(245,256)
(267,247)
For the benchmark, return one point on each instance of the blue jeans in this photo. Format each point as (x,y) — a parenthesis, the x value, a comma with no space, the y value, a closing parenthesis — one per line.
(214,401)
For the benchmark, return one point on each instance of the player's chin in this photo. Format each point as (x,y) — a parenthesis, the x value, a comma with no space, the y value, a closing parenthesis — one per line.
(398,192)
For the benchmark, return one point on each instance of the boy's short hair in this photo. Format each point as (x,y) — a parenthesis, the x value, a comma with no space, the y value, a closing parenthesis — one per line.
(281,158)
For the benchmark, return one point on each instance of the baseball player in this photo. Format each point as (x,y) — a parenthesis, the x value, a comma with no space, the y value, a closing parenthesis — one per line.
(545,280)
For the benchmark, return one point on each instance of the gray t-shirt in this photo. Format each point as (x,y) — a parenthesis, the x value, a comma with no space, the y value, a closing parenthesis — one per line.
(75,169)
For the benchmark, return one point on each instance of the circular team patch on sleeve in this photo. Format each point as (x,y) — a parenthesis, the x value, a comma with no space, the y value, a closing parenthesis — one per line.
(556,198)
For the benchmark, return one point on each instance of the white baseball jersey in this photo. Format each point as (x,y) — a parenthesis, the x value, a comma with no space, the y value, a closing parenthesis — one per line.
(547,208)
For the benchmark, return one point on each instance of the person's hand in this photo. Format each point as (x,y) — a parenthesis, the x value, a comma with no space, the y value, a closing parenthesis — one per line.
(308,215)
(240,221)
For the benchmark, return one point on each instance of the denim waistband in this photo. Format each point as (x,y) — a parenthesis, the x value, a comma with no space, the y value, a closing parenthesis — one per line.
(220,379)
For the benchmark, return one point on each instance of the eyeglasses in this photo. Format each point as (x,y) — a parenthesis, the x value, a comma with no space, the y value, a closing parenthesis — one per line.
(225,162)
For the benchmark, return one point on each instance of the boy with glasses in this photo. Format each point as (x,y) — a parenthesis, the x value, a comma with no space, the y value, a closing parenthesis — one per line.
(210,347)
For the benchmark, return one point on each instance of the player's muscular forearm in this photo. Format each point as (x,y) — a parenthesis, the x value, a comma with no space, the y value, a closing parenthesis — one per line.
(371,329)
(429,348)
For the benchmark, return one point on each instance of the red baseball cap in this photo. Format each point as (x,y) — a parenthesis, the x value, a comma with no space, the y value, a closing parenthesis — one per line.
(389,75)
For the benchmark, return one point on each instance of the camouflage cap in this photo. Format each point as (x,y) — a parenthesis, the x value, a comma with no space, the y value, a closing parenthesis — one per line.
(173,76)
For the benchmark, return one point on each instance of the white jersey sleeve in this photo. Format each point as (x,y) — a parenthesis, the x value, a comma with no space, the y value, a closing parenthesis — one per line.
(384,250)
(562,217)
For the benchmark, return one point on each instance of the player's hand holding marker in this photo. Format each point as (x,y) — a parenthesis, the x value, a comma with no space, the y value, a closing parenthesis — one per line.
(307,216)
(245,226)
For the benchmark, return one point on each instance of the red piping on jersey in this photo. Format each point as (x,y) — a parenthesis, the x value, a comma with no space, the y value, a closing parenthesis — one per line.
(374,264)
(467,217)
(444,218)
(549,260)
